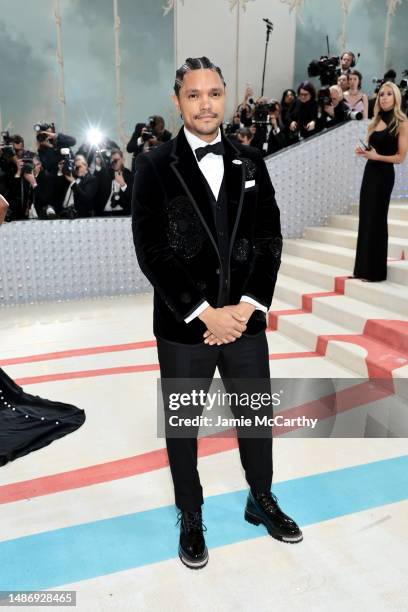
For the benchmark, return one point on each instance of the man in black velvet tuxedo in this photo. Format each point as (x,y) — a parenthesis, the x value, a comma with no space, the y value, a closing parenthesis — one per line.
(206,229)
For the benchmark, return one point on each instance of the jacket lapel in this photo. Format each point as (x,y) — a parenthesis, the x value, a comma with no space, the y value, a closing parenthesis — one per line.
(185,167)
(234,177)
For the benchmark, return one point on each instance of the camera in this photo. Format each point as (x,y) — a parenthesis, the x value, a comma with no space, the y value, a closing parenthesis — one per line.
(354,115)
(105,155)
(229,128)
(324,68)
(28,165)
(151,124)
(323,97)
(43,127)
(68,167)
(148,132)
(262,111)
(6,145)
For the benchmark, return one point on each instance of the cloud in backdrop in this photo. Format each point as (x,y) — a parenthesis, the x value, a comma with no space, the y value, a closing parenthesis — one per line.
(29,69)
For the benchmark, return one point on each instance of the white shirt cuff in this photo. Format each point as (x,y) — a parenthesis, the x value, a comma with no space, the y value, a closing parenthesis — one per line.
(257,305)
(197,312)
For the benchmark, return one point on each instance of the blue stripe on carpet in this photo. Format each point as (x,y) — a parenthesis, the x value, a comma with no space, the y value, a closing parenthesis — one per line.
(53,558)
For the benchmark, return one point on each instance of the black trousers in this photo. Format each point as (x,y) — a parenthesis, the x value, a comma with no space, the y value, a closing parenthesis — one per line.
(246,358)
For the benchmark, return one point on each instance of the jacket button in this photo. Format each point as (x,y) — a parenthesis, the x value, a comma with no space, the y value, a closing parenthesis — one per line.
(220,233)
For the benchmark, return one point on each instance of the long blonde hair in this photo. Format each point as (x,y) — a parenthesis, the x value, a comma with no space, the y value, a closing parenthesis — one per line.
(398,118)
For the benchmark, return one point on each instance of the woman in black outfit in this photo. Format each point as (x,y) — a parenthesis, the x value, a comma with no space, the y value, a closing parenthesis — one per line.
(388,139)
(287,103)
(303,116)
(29,422)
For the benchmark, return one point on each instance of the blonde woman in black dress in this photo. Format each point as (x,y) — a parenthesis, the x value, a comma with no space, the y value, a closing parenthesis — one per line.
(388,141)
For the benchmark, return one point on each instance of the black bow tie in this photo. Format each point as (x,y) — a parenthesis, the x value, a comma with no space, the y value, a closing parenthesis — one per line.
(217,149)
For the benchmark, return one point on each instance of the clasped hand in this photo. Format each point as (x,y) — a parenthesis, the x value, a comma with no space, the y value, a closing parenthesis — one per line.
(227,324)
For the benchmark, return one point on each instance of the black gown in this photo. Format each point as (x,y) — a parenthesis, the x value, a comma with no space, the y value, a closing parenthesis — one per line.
(375,194)
(29,422)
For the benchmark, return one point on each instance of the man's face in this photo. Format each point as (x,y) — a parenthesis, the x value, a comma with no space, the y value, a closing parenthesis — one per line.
(346,61)
(243,139)
(37,167)
(201,102)
(81,167)
(159,127)
(335,97)
(117,162)
(18,148)
(343,82)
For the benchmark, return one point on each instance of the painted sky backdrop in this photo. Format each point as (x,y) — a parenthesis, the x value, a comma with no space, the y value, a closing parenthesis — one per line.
(29,69)
(29,74)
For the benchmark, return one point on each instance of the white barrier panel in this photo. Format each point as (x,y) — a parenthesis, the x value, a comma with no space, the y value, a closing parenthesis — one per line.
(63,259)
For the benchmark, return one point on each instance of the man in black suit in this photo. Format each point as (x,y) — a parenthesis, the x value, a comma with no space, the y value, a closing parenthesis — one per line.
(76,192)
(115,182)
(207,235)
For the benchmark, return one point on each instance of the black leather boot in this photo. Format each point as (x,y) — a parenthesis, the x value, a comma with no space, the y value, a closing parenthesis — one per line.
(192,548)
(263,508)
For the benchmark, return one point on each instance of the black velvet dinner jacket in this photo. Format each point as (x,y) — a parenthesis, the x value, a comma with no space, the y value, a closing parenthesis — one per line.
(176,239)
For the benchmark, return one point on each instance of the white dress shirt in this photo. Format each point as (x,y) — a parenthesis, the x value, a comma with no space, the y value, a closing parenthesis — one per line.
(212,166)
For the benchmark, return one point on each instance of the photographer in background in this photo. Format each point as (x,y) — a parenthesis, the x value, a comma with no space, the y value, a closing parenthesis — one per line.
(115,183)
(277,139)
(79,189)
(332,108)
(12,149)
(49,144)
(40,192)
(18,187)
(147,136)
(246,108)
(245,136)
(303,116)
(91,151)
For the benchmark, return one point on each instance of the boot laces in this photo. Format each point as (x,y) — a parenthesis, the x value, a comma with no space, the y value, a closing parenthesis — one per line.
(192,520)
(269,500)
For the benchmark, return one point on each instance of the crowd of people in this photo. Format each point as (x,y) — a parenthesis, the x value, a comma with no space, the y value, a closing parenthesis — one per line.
(271,125)
(53,182)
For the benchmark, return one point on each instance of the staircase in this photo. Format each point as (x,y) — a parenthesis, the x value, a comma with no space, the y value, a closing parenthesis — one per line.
(360,326)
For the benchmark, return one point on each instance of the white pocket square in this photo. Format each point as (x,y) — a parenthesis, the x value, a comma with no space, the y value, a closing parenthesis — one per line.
(249,184)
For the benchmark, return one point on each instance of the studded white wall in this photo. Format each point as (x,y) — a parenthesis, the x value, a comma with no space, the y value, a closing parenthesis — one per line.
(59,260)
(322,176)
